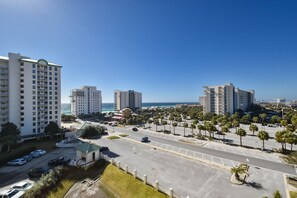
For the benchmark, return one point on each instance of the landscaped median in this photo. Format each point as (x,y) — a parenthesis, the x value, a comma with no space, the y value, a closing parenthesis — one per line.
(125,185)
(113,137)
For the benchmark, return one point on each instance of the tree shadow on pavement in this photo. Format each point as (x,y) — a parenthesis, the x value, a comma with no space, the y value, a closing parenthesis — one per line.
(255,185)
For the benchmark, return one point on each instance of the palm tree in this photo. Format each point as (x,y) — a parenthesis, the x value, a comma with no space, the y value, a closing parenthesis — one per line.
(210,128)
(156,122)
(236,124)
(185,125)
(263,135)
(280,138)
(164,124)
(200,127)
(240,132)
(193,126)
(253,128)
(255,119)
(174,124)
(263,117)
(290,137)
(224,130)
(277,194)
(240,169)
(150,122)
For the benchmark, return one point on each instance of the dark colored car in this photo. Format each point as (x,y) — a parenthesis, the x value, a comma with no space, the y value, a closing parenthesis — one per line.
(134,129)
(104,148)
(37,172)
(58,162)
(144,139)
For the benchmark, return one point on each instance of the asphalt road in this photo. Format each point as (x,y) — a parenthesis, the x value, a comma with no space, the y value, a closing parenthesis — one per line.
(222,154)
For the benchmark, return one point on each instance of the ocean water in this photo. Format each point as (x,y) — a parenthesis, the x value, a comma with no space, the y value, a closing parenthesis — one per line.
(108,107)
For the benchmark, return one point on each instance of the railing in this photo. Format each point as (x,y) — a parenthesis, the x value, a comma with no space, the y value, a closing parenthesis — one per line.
(137,175)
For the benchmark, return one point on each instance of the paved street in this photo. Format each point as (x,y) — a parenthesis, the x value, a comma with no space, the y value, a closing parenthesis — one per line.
(272,165)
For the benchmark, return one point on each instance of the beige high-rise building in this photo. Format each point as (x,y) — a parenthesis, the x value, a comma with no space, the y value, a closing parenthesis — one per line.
(226,99)
(30,93)
(127,99)
(86,100)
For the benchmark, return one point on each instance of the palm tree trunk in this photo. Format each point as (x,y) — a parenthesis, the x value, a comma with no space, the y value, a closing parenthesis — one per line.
(192,132)
(156,128)
(240,140)
(263,146)
(291,146)
(184,131)
(199,132)
(149,126)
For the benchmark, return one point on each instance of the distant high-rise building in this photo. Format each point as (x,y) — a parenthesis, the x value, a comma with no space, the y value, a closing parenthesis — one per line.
(226,99)
(127,99)
(86,100)
(280,101)
(30,93)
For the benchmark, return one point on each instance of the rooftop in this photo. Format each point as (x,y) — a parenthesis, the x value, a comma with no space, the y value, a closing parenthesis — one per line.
(87,147)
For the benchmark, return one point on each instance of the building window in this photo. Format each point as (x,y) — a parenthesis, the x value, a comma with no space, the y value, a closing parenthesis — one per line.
(33,66)
(22,64)
(34,71)
(22,124)
(33,82)
(56,69)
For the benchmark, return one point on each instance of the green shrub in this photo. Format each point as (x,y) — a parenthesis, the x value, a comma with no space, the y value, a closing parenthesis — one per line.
(45,183)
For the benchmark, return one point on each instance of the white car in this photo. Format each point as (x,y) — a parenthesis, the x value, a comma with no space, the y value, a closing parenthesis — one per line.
(42,152)
(12,193)
(22,186)
(17,162)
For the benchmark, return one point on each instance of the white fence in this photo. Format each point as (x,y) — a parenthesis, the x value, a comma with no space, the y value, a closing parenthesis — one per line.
(142,177)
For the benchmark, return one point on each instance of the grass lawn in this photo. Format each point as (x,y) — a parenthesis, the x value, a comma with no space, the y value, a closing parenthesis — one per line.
(293,194)
(22,149)
(126,185)
(76,175)
(113,137)
(124,135)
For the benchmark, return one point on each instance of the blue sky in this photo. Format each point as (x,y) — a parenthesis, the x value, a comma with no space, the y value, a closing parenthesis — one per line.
(166,49)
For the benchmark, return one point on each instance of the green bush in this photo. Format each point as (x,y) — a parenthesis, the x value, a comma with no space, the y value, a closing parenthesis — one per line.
(92,131)
(45,183)
(15,154)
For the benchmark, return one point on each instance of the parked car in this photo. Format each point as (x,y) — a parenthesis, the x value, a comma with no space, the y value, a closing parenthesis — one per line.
(42,152)
(11,193)
(22,186)
(134,129)
(28,158)
(17,162)
(105,122)
(104,148)
(114,125)
(58,162)
(35,154)
(37,172)
(144,139)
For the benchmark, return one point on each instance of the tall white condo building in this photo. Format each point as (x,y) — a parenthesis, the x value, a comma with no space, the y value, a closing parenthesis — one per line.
(226,99)
(86,100)
(127,99)
(30,93)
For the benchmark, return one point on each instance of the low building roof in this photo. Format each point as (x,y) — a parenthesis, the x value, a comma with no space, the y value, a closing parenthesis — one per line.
(87,147)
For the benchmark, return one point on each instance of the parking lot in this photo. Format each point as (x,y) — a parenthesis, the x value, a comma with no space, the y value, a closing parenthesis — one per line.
(10,175)
(189,177)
